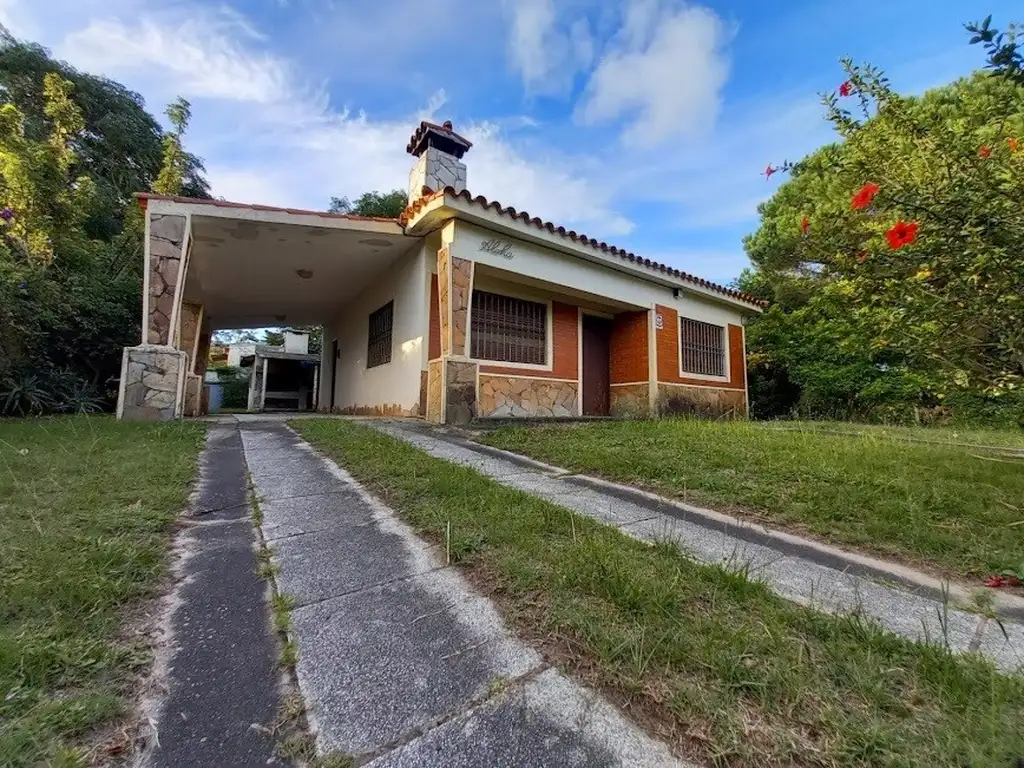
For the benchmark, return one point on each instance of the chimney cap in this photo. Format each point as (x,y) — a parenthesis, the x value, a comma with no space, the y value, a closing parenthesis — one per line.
(441,137)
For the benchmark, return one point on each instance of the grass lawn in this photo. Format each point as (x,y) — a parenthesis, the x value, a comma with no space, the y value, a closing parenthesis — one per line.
(86,507)
(718,665)
(999,438)
(956,511)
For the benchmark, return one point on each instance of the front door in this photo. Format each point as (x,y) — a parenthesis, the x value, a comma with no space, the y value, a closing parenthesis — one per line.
(334,370)
(596,371)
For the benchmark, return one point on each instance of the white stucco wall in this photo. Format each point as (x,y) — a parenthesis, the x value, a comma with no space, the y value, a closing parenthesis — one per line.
(394,383)
(571,271)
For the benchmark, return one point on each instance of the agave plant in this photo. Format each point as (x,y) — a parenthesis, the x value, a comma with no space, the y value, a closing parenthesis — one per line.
(23,396)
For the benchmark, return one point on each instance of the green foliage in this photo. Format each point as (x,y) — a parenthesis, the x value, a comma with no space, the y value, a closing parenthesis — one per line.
(235,385)
(171,180)
(73,149)
(863,327)
(384,205)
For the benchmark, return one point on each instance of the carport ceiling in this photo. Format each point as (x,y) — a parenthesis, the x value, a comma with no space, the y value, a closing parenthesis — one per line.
(252,273)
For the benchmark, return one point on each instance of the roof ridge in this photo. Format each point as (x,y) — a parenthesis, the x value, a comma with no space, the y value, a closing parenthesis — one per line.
(429,195)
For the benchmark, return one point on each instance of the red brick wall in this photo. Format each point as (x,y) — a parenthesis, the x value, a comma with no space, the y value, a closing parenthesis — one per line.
(628,348)
(668,354)
(565,344)
(434,340)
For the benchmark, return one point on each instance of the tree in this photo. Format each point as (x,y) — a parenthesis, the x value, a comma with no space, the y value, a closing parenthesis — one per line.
(174,166)
(913,224)
(384,205)
(119,147)
(73,149)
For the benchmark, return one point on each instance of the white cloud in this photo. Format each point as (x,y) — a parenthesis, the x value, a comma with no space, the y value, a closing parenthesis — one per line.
(664,74)
(199,53)
(267,137)
(544,186)
(545,47)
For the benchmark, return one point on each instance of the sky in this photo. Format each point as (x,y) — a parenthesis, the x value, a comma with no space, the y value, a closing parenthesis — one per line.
(645,123)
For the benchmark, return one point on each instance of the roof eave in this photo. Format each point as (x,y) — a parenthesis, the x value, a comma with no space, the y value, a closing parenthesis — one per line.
(455,206)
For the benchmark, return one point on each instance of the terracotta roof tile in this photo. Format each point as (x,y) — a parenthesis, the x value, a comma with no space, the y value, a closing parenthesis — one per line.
(143,197)
(445,132)
(429,195)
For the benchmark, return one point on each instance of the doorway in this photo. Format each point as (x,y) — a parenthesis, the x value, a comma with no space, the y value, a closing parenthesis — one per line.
(334,370)
(596,368)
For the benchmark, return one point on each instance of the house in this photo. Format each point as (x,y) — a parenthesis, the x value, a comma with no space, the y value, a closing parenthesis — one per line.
(461,308)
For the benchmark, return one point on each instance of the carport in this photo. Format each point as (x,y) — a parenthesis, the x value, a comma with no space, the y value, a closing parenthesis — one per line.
(213,265)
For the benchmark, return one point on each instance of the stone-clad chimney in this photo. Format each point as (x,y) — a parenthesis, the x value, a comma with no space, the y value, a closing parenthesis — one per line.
(438,151)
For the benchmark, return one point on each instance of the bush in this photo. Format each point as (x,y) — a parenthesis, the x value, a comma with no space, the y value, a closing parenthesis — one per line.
(235,383)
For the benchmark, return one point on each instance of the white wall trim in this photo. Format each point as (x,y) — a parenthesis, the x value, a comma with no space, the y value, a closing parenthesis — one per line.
(179,285)
(146,255)
(652,357)
(699,386)
(579,361)
(521,376)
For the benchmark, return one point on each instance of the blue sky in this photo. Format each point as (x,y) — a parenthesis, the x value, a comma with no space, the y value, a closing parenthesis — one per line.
(645,122)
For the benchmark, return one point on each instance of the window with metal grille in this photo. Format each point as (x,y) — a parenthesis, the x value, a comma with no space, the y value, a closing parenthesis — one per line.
(508,330)
(378,341)
(702,347)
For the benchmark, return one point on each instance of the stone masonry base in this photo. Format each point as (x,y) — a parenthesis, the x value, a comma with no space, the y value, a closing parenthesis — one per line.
(152,383)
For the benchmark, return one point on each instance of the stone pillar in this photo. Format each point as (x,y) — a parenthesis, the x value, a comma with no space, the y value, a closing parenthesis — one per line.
(152,383)
(166,253)
(451,381)
(190,322)
(153,374)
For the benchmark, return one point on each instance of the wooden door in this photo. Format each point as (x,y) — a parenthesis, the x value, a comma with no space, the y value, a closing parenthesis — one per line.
(596,371)
(334,370)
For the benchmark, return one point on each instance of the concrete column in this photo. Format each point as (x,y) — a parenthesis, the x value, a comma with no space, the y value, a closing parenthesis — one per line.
(154,373)
(452,380)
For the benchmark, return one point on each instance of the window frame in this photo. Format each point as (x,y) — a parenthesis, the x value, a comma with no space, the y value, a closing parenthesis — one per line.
(684,374)
(390,305)
(512,293)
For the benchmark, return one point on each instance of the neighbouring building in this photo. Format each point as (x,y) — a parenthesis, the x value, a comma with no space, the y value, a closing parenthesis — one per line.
(461,308)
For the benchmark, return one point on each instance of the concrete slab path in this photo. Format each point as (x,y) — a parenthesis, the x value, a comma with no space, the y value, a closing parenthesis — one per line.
(905,602)
(400,662)
(216,672)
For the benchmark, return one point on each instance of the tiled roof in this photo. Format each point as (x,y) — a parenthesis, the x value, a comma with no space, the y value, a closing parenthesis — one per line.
(444,131)
(429,195)
(143,197)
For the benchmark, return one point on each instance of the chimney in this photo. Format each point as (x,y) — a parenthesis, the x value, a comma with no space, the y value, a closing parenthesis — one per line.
(438,151)
(296,341)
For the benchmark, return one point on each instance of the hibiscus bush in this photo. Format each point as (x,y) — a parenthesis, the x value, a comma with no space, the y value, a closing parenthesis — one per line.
(916,217)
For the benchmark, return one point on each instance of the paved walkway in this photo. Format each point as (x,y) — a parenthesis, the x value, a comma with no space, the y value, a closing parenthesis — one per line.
(904,601)
(216,674)
(401,664)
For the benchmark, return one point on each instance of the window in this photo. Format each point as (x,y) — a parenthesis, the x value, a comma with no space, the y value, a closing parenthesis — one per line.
(702,347)
(508,330)
(378,342)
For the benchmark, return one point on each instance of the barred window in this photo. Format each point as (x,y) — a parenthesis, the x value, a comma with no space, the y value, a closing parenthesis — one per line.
(507,329)
(378,341)
(702,347)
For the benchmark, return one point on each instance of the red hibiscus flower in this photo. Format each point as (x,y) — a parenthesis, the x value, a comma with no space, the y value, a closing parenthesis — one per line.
(996,581)
(769,171)
(1013,144)
(984,151)
(805,224)
(845,89)
(902,234)
(864,196)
